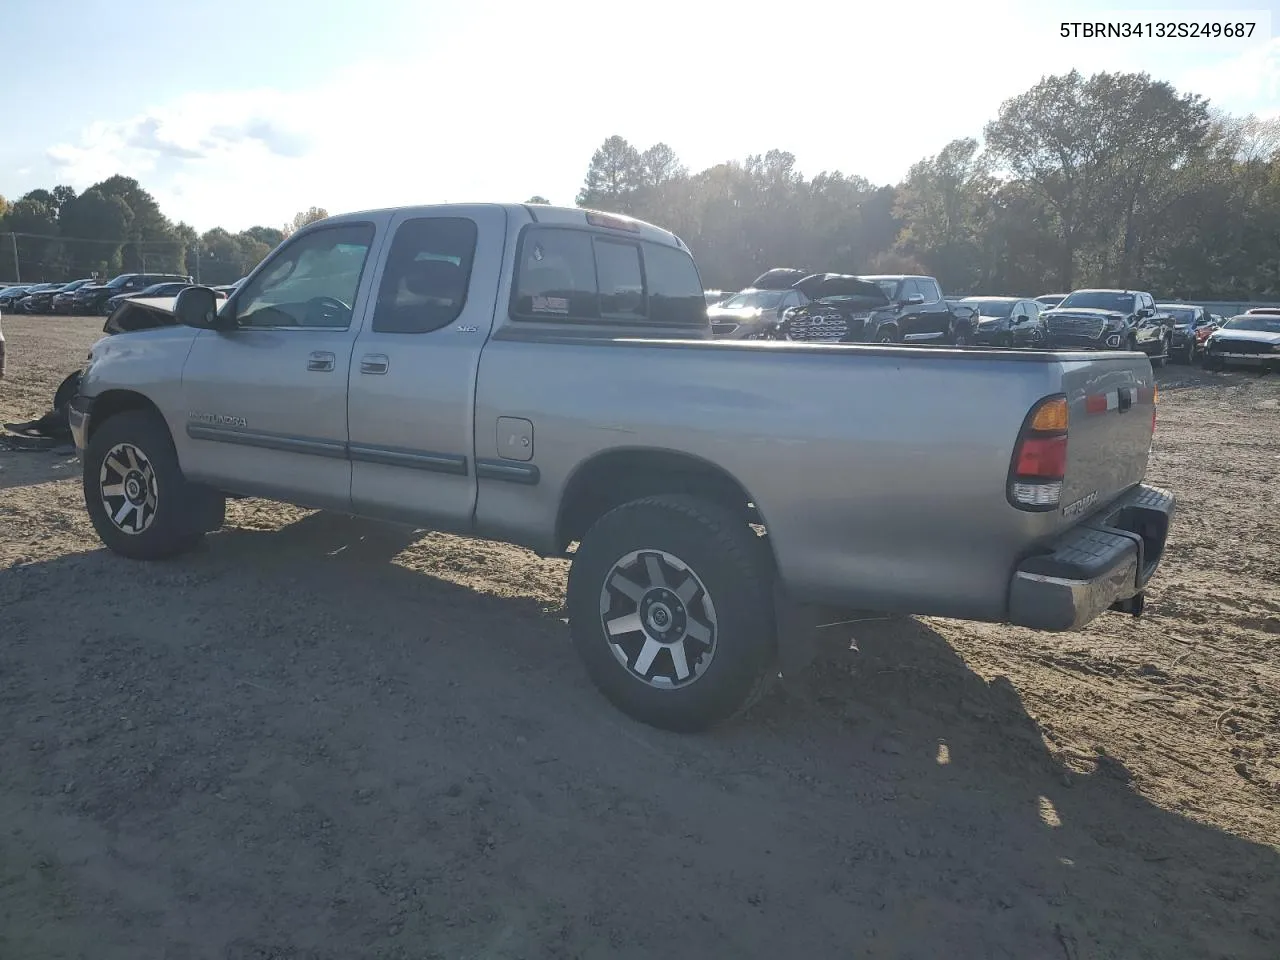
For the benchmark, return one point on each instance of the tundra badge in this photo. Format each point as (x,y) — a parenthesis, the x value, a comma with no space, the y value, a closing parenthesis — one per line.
(1079,506)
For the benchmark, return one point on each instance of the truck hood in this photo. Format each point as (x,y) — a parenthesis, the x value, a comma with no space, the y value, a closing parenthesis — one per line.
(141,314)
(1253,336)
(819,286)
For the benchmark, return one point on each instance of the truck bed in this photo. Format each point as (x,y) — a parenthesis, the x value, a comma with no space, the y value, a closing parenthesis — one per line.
(878,470)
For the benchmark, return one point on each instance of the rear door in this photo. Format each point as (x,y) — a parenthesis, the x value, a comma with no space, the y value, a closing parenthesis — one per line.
(413,372)
(934,312)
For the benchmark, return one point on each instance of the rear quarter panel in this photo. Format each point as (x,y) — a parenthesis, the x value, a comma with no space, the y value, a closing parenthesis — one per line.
(880,473)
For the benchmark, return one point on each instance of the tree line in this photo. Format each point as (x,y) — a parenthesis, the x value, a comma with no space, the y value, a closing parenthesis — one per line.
(1109,180)
(114,227)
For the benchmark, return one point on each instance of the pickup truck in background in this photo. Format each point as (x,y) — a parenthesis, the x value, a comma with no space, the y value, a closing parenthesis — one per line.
(1110,320)
(546,377)
(874,309)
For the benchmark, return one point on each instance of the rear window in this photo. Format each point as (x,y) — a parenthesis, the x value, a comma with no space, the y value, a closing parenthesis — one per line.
(577,275)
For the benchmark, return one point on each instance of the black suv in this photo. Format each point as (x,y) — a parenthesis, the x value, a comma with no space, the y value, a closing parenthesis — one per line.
(93,298)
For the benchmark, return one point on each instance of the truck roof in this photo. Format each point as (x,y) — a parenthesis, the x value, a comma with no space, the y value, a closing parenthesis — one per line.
(538,213)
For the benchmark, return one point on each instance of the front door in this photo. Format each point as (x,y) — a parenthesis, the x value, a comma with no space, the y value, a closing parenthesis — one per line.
(413,373)
(266,401)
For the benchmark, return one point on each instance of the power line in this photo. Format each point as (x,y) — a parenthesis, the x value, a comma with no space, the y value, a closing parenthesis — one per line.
(114,243)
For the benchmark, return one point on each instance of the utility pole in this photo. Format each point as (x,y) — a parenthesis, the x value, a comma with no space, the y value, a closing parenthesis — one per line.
(17,274)
(197,259)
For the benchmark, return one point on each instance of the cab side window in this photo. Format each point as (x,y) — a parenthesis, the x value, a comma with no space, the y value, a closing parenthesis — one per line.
(312,280)
(929,290)
(424,286)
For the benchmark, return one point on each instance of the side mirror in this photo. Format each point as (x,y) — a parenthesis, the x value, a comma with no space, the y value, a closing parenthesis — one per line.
(914,300)
(196,307)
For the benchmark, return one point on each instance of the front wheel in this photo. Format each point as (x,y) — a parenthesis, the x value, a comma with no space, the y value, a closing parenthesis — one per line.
(670,609)
(137,498)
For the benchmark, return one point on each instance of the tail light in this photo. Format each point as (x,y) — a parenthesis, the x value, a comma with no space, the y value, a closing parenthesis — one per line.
(1039,462)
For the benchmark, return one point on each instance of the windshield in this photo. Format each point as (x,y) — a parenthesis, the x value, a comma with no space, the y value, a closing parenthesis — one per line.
(1182,316)
(991,308)
(1258,321)
(890,287)
(1100,300)
(753,299)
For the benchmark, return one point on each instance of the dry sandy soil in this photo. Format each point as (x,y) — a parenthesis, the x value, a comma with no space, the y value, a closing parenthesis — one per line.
(320,738)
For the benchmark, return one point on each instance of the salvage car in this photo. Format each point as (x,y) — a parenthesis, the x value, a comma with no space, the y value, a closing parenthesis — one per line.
(168,289)
(842,309)
(1007,321)
(854,309)
(92,298)
(11,296)
(547,377)
(1249,340)
(1187,320)
(921,314)
(752,314)
(1110,320)
(39,298)
(64,299)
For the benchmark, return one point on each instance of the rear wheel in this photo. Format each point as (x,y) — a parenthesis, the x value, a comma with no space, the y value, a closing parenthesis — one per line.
(670,609)
(137,498)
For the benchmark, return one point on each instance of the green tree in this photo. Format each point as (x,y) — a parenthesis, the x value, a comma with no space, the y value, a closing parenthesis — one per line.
(538,199)
(34,222)
(271,236)
(150,242)
(613,174)
(221,257)
(304,217)
(944,203)
(95,225)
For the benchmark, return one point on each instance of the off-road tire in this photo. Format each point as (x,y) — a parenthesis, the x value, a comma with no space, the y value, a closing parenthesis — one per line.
(734,565)
(183,511)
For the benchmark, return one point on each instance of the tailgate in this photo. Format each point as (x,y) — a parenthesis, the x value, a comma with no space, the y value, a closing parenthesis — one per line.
(1111,400)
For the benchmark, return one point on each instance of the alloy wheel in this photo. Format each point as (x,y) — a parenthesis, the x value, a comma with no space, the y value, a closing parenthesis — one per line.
(127,486)
(659,619)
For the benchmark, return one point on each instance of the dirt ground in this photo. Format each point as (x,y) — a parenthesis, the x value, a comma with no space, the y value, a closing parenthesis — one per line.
(323,738)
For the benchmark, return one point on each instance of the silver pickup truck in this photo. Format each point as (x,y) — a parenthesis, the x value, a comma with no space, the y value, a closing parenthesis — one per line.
(546,377)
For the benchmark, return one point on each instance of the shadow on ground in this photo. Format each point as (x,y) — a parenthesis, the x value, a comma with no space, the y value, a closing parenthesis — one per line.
(289,746)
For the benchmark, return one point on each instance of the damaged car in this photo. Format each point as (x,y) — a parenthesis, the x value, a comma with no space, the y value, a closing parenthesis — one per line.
(841,309)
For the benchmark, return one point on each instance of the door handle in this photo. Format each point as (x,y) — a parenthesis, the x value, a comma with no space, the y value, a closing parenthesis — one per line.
(320,360)
(374,363)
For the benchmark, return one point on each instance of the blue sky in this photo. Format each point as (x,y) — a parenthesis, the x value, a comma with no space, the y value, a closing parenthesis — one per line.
(243,112)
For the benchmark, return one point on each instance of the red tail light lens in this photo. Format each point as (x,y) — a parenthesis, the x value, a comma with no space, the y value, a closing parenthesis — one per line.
(1039,463)
(1042,458)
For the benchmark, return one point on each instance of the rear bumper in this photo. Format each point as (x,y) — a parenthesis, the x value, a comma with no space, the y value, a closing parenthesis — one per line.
(1091,567)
